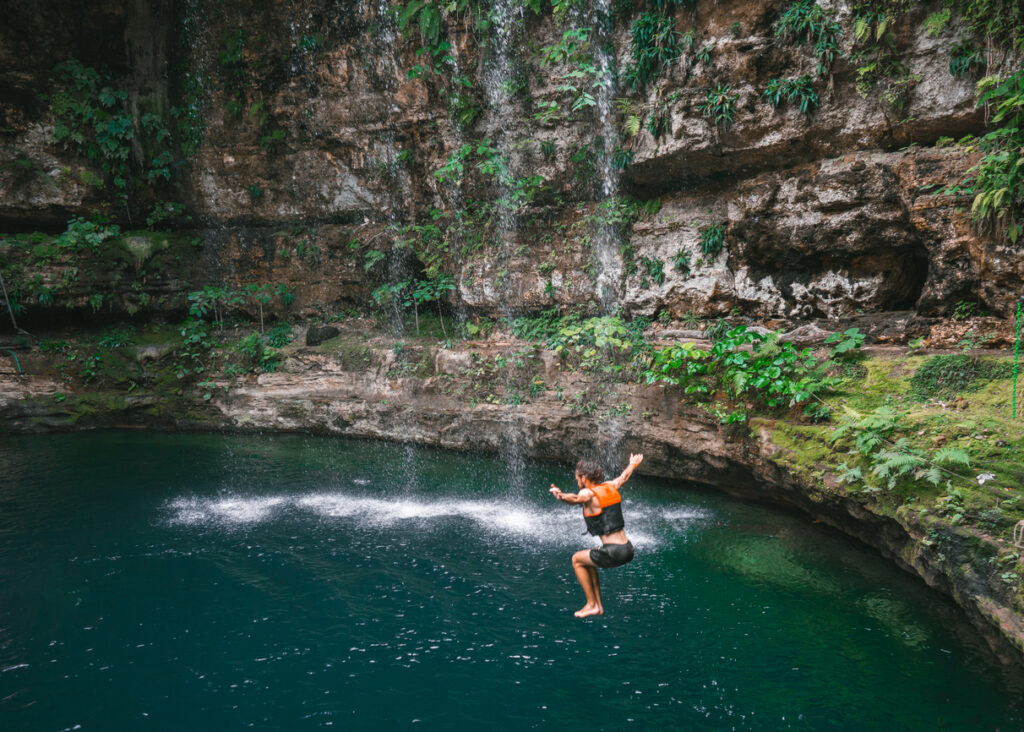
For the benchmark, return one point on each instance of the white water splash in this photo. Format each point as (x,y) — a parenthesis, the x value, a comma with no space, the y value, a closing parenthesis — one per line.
(228,510)
(648,525)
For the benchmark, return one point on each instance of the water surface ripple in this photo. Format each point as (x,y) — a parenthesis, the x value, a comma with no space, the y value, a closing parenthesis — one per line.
(209,582)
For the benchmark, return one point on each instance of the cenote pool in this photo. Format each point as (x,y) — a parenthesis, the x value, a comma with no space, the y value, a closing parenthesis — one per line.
(152,581)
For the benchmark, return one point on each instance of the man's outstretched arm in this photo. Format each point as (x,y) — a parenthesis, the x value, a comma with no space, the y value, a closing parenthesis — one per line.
(634,460)
(582,497)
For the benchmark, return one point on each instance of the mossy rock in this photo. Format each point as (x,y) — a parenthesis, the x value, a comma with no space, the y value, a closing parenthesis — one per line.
(351,355)
(947,375)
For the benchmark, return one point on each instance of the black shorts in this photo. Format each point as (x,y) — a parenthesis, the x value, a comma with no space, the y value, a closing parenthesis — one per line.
(612,555)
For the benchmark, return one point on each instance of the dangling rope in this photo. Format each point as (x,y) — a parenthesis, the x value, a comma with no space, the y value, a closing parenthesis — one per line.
(10,310)
(7,300)
(15,357)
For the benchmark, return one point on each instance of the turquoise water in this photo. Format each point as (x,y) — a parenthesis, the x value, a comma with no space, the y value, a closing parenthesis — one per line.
(197,582)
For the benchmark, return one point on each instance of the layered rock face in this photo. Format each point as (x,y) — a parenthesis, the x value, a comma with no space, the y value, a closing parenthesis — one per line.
(299,128)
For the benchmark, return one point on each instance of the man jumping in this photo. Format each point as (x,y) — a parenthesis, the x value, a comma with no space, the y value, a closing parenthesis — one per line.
(602,510)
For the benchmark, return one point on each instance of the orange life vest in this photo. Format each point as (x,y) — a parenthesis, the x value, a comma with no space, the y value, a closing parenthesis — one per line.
(608,517)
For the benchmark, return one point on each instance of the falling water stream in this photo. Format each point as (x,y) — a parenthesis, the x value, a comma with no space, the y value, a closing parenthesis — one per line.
(152,581)
(597,16)
(506,33)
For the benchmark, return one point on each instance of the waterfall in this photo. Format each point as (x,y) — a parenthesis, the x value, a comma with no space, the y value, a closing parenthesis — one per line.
(607,241)
(506,17)
(610,429)
(499,72)
(385,153)
(400,264)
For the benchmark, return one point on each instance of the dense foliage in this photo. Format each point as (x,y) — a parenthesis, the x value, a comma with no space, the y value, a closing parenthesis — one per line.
(745,366)
(998,179)
(655,46)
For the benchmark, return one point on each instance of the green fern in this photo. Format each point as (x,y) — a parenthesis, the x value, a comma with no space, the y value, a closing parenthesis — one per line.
(769,347)
(849,475)
(932,474)
(952,456)
(870,431)
(899,462)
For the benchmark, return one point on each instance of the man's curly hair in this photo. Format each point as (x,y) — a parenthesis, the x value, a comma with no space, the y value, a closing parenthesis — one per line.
(590,470)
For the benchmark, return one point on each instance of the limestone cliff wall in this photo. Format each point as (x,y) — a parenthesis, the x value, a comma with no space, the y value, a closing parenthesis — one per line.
(303,131)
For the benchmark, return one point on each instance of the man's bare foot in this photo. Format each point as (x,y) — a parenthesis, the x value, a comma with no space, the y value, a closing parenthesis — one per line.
(588,610)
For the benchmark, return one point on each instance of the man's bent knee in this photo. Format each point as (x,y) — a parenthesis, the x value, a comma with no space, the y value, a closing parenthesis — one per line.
(582,558)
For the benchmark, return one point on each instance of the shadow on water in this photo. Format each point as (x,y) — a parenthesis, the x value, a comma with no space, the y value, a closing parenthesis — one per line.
(291,582)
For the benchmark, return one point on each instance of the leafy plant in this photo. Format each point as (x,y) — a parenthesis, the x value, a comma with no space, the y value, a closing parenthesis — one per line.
(581,75)
(799,90)
(998,179)
(264,293)
(965,57)
(463,105)
(717,330)
(541,327)
(372,258)
(164,211)
(114,338)
(280,335)
(719,105)
(712,238)
(82,233)
(682,261)
(631,116)
(190,356)
(270,140)
(745,365)
(213,301)
(655,46)
(999,21)
(870,431)
(426,15)
(622,158)
(658,122)
(965,310)
(936,22)
(876,55)
(654,268)
(90,117)
(594,342)
(259,354)
(489,161)
(774,92)
(807,22)
(845,345)
(431,290)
